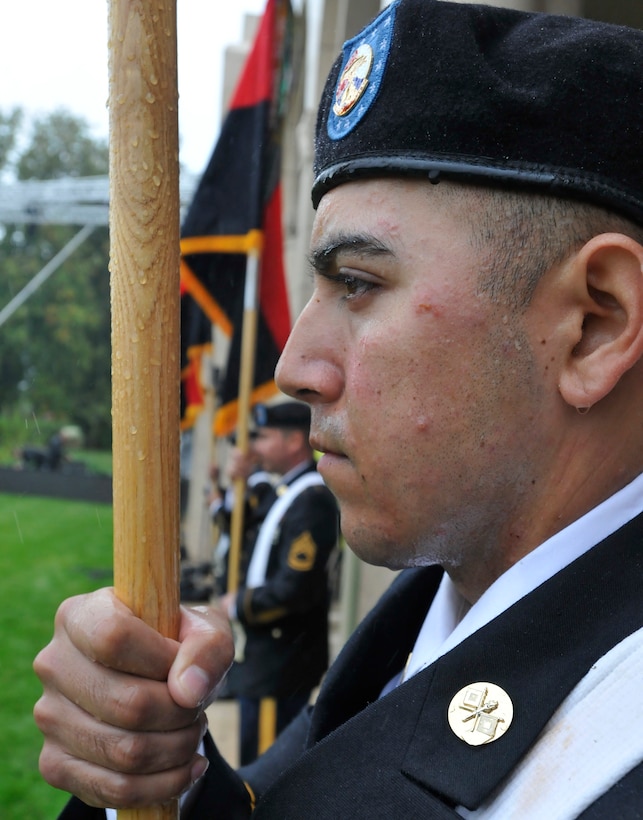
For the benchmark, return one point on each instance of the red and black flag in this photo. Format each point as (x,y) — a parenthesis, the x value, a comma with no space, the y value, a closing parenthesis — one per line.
(196,340)
(236,211)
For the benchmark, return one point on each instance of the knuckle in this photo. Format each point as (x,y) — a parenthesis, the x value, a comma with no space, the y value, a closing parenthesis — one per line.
(131,708)
(132,753)
(44,664)
(50,766)
(118,791)
(42,714)
(99,787)
(109,639)
(133,792)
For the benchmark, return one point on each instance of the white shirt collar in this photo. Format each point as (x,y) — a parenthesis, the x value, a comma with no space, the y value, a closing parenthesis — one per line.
(294,472)
(450,620)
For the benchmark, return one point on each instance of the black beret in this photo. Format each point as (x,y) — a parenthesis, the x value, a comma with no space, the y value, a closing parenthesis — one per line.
(287,414)
(489,95)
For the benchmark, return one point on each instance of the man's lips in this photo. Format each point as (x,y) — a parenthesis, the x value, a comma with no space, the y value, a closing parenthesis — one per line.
(332,458)
(326,447)
(332,462)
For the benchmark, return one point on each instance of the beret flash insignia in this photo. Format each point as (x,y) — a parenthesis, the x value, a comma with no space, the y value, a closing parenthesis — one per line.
(364,61)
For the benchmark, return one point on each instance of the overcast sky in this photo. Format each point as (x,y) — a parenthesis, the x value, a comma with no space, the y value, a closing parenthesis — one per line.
(53,53)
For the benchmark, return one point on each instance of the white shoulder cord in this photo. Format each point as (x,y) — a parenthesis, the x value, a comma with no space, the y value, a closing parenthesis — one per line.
(256,576)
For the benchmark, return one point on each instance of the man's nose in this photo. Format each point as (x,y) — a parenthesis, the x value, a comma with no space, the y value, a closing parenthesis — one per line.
(309,368)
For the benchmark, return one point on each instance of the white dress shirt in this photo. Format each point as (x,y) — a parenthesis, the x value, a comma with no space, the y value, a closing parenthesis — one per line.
(450,619)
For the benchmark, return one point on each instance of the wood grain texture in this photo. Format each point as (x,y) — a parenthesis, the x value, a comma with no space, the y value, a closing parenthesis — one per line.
(144,268)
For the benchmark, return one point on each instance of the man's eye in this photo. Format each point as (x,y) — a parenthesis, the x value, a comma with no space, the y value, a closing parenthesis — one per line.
(355,285)
(352,284)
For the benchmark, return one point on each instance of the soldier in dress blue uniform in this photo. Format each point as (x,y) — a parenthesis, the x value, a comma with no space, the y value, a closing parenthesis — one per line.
(473,357)
(282,604)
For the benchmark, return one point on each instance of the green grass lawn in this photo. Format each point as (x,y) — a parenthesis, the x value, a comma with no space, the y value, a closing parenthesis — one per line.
(49,550)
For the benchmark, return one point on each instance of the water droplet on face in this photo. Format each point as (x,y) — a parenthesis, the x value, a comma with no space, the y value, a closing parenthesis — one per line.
(150,98)
(133,430)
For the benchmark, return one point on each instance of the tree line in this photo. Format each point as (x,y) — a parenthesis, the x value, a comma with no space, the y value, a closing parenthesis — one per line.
(55,349)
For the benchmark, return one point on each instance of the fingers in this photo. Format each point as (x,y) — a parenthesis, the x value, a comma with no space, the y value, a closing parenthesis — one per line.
(114,698)
(117,730)
(115,667)
(100,787)
(105,630)
(108,765)
(85,737)
(95,638)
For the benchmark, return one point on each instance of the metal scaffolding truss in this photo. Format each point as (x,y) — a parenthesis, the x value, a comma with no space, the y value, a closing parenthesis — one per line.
(82,201)
(67,201)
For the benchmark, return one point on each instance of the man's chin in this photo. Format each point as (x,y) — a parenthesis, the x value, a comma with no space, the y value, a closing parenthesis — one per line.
(372,551)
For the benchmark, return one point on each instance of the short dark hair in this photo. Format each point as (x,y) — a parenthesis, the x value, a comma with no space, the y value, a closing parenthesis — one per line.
(520,235)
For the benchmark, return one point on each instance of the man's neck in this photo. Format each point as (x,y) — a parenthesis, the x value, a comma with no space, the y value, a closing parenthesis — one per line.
(591,526)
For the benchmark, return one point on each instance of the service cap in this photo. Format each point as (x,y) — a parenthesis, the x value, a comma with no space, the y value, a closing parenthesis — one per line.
(291,414)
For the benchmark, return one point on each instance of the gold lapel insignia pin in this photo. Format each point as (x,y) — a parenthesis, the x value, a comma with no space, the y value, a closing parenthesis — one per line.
(480,713)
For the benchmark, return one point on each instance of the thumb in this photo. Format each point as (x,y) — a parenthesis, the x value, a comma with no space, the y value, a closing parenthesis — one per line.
(206,652)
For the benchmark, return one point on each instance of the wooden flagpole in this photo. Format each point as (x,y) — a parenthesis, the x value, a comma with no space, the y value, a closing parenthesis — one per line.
(246,378)
(144,266)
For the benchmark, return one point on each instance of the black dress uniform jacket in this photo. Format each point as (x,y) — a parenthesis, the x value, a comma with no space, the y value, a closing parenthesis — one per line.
(285,620)
(356,755)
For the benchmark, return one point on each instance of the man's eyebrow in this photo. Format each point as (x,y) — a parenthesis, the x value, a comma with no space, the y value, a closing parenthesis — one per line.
(323,257)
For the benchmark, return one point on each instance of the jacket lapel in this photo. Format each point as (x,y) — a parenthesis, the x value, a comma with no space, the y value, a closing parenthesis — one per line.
(537,652)
(375,652)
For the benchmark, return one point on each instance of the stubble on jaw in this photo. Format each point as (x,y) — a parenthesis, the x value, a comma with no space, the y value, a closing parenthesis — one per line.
(481,536)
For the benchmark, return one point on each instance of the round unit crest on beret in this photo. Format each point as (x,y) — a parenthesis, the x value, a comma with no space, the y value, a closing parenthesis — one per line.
(490,95)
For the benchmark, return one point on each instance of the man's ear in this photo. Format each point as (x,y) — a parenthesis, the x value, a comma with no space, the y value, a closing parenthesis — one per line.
(608,286)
